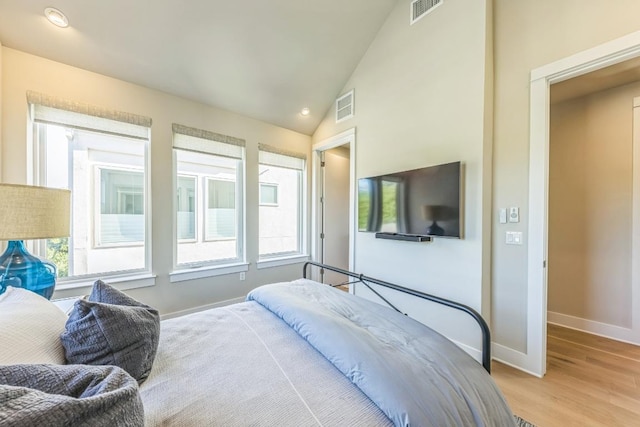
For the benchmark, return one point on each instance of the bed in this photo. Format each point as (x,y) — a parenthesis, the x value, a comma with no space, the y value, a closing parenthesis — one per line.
(301,353)
(296,353)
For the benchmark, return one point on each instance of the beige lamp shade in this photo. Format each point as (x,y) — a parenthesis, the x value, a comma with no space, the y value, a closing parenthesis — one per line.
(30,212)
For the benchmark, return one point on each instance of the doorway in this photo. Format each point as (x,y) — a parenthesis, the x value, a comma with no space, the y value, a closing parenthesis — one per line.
(334,205)
(608,54)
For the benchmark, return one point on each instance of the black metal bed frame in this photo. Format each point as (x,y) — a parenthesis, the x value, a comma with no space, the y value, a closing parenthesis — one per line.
(486,334)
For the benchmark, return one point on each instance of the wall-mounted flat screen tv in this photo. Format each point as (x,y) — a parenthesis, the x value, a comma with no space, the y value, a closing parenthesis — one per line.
(420,202)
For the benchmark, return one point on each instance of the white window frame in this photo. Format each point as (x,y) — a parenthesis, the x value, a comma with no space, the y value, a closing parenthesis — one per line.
(202,269)
(288,257)
(97,214)
(44,110)
(205,208)
(195,206)
(272,185)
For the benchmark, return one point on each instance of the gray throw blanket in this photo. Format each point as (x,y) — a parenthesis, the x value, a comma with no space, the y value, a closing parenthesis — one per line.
(68,395)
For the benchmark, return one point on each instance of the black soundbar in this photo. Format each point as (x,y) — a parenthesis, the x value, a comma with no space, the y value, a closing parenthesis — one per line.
(405,237)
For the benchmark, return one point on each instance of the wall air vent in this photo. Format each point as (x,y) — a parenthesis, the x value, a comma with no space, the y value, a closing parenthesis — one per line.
(420,8)
(345,107)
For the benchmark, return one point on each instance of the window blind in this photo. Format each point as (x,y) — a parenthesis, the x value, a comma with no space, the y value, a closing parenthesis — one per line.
(272,156)
(58,111)
(203,141)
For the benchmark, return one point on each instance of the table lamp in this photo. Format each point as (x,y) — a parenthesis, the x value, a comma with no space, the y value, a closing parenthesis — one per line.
(30,212)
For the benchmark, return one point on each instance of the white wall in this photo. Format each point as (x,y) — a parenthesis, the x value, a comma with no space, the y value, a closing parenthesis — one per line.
(21,72)
(421,94)
(590,207)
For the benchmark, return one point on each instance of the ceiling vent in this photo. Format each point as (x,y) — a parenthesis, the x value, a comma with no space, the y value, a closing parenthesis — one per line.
(420,8)
(345,107)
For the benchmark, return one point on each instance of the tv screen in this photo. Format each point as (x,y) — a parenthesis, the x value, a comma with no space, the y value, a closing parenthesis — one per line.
(423,202)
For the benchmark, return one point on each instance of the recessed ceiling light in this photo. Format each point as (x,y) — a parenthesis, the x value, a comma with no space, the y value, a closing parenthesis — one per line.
(305,111)
(56,17)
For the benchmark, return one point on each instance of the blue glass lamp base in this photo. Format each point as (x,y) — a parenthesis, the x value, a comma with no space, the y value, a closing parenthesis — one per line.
(20,269)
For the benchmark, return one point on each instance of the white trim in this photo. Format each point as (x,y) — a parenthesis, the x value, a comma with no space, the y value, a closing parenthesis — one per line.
(279,262)
(208,271)
(592,327)
(589,60)
(202,308)
(346,137)
(635,226)
(511,358)
(123,283)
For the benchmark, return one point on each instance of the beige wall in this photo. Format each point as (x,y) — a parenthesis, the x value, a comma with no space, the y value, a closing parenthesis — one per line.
(590,206)
(22,72)
(421,96)
(421,99)
(529,34)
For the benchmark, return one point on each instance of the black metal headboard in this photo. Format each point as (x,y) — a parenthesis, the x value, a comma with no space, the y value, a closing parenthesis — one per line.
(486,334)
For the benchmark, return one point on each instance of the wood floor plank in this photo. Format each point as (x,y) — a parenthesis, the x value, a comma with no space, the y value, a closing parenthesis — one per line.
(590,381)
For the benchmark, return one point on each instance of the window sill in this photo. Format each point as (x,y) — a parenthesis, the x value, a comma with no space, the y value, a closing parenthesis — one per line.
(209,271)
(122,283)
(278,262)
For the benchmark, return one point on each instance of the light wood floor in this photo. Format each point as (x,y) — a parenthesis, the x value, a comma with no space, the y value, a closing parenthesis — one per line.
(590,381)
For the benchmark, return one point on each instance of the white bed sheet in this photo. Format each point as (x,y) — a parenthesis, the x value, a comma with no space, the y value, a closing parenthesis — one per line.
(242,366)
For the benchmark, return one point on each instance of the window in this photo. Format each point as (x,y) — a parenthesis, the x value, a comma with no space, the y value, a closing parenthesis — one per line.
(209,203)
(221,209)
(282,198)
(186,207)
(101,156)
(269,194)
(121,216)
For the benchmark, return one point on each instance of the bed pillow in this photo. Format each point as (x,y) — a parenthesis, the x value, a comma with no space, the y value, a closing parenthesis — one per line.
(69,395)
(111,328)
(30,328)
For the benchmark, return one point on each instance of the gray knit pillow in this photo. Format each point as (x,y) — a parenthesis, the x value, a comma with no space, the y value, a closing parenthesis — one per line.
(68,395)
(111,328)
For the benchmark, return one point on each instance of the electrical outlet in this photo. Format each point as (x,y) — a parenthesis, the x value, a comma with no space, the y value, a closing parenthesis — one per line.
(242,276)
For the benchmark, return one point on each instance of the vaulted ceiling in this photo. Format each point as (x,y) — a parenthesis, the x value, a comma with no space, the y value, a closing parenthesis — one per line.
(263,59)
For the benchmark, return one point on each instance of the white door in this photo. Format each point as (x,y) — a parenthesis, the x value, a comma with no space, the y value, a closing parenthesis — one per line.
(335,212)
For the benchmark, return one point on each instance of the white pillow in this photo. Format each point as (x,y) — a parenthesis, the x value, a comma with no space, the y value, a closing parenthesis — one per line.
(30,328)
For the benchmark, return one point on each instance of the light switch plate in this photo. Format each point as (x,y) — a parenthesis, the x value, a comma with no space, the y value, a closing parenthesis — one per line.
(513,238)
(514,214)
(503,215)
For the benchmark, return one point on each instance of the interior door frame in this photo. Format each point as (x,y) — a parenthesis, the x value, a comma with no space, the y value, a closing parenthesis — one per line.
(604,55)
(343,138)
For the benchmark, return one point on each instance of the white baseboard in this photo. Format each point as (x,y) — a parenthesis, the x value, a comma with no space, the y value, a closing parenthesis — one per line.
(606,330)
(513,358)
(201,308)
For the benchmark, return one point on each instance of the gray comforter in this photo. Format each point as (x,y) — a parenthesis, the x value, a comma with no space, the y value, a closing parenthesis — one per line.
(239,366)
(413,374)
